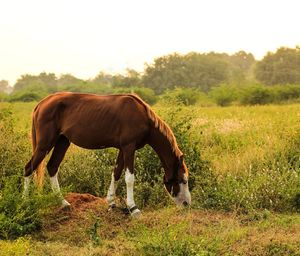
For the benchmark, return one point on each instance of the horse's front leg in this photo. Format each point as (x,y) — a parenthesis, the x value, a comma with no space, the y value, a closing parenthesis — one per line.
(129,179)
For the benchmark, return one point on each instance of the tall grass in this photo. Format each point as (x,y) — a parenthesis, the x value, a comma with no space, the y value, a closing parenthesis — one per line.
(239,158)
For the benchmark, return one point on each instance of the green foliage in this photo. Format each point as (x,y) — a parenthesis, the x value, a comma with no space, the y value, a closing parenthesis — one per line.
(185,96)
(171,240)
(43,80)
(285,93)
(146,94)
(224,95)
(281,249)
(4,86)
(166,245)
(93,232)
(131,79)
(88,171)
(18,247)
(256,189)
(256,94)
(281,67)
(14,151)
(194,70)
(26,96)
(270,184)
(19,216)
(3,96)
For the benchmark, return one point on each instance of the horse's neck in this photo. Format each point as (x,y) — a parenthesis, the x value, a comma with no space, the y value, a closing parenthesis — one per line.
(163,148)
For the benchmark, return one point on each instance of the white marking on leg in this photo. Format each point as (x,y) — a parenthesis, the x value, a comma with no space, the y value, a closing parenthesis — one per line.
(55,184)
(129,179)
(26,186)
(56,189)
(111,191)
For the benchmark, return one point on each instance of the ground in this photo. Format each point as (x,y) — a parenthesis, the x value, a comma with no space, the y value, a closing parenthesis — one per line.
(89,229)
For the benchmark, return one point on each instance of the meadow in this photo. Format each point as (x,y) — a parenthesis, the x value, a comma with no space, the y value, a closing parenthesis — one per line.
(244,178)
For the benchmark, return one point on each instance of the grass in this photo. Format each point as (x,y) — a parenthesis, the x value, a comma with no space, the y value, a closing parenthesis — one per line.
(235,138)
(255,143)
(167,231)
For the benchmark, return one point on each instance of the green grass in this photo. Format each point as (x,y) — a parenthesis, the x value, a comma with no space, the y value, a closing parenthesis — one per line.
(236,138)
(244,203)
(167,231)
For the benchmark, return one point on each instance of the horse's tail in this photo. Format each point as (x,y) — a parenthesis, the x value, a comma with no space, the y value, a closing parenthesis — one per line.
(40,170)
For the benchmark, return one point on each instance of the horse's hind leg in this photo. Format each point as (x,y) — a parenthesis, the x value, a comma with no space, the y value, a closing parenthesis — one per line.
(57,156)
(32,165)
(115,176)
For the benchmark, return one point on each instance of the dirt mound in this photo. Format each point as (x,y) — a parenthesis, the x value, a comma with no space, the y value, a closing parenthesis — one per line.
(85,212)
(82,202)
(83,207)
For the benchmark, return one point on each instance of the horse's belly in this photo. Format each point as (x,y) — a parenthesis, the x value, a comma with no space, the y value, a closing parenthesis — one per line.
(89,141)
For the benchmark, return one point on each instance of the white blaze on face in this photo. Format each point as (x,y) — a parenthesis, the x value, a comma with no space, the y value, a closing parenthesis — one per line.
(184,194)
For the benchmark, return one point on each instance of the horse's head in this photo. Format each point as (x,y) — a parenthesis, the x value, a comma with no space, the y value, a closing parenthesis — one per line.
(176,183)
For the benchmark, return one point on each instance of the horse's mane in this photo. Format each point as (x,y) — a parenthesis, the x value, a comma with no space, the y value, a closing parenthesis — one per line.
(162,126)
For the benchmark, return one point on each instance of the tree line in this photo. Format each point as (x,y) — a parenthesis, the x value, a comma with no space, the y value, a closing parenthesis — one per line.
(202,72)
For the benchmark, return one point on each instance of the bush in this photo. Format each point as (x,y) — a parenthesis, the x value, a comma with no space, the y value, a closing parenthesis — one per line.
(256,94)
(185,96)
(20,216)
(14,146)
(286,92)
(146,94)
(26,96)
(224,95)
(33,92)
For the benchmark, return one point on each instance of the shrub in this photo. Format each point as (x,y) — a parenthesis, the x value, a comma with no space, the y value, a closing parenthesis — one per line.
(286,92)
(256,94)
(19,216)
(26,96)
(224,95)
(185,96)
(14,146)
(146,94)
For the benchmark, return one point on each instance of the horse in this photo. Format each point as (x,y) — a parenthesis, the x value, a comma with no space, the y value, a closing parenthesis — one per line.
(90,121)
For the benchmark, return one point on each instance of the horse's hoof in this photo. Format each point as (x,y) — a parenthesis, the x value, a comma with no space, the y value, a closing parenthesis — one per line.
(111,207)
(66,206)
(136,213)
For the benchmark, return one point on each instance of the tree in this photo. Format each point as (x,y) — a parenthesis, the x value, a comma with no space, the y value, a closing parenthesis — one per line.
(282,67)
(4,86)
(103,79)
(44,80)
(243,60)
(131,79)
(201,71)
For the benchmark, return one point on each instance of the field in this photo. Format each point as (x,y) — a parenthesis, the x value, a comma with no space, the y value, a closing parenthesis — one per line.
(244,175)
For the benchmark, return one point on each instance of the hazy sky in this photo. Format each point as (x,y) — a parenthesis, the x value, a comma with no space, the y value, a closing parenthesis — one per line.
(84,37)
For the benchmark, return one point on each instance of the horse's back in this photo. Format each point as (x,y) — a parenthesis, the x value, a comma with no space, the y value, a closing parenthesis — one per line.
(93,121)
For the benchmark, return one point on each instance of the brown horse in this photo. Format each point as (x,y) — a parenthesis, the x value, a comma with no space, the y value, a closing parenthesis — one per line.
(90,121)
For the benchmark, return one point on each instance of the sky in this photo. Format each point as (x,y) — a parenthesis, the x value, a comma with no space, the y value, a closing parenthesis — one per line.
(84,37)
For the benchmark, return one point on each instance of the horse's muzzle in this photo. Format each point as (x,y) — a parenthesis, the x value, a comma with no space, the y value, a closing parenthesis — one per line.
(185,204)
